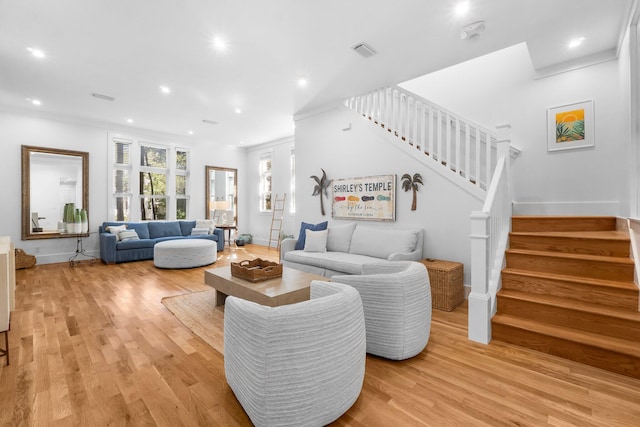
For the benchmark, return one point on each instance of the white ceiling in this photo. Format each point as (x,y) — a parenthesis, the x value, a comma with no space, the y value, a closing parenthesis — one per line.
(128,48)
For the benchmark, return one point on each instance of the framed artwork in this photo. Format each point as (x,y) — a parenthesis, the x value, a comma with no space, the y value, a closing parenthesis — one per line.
(370,198)
(570,126)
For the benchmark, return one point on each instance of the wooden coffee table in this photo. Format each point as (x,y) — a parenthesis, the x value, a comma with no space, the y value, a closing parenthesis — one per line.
(292,287)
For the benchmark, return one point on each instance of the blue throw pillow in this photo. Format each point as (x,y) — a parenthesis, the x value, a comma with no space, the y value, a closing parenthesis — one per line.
(303,235)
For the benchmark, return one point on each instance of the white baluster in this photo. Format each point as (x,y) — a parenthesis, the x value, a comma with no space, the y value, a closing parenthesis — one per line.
(447,156)
(478,151)
(439,136)
(458,131)
(467,151)
(416,140)
(432,125)
(489,170)
(423,123)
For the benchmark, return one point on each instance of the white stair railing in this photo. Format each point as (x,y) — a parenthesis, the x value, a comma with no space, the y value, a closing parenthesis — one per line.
(490,229)
(458,148)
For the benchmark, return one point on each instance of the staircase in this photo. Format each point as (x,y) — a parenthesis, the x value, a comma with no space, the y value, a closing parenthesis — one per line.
(474,158)
(568,290)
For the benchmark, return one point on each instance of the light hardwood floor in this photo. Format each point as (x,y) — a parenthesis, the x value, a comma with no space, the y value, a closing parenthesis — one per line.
(93,345)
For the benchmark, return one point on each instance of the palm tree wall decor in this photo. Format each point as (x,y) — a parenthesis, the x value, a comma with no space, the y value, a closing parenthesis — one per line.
(411,183)
(321,187)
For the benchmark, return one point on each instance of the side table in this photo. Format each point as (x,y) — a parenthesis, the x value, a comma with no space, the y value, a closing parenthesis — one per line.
(228,228)
(80,251)
(447,287)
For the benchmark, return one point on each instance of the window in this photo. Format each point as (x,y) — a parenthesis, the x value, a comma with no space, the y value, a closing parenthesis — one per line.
(153,177)
(153,182)
(265,182)
(121,179)
(292,189)
(182,198)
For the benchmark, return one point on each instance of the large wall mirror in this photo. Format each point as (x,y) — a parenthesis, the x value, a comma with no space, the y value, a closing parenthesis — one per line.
(221,198)
(51,179)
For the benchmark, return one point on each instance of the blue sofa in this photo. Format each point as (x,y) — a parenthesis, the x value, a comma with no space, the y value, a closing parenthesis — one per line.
(113,251)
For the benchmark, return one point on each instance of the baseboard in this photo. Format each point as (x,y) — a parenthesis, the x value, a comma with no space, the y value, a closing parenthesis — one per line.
(610,208)
(64,257)
(261,242)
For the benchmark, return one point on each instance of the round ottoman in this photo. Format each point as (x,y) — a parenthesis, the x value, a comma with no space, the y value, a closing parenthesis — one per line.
(184,253)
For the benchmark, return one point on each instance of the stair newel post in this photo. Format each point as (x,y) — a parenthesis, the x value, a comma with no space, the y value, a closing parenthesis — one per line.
(504,140)
(479,298)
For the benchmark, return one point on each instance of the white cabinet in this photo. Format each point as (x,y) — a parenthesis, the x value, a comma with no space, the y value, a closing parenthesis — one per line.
(7,288)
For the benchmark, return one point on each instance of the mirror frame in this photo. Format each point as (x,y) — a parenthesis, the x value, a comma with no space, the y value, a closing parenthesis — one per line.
(207,194)
(26,189)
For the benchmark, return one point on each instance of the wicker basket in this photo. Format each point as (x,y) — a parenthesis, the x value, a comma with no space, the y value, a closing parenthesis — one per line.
(256,270)
(24,260)
(447,288)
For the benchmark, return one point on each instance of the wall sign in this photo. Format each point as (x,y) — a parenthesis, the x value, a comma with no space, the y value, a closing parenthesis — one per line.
(369,198)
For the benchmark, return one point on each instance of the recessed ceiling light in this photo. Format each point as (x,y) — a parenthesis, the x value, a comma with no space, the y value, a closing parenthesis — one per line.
(165,90)
(576,42)
(190,132)
(462,8)
(36,52)
(129,121)
(219,44)
(238,111)
(34,101)
(302,82)
(241,142)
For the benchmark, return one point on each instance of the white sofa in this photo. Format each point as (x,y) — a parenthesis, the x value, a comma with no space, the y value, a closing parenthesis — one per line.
(350,246)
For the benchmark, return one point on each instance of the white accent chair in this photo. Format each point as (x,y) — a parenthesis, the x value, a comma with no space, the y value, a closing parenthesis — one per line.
(397,307)
(299,364)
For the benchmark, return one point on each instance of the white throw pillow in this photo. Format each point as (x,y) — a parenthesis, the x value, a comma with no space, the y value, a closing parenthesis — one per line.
(206,223)
(200,231)
(381,243)
(128,235)
(316,241)
(339,237)
(116,229)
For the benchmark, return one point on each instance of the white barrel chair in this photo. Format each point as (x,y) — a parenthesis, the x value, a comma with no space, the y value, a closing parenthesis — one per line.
(397,307)
(299,364)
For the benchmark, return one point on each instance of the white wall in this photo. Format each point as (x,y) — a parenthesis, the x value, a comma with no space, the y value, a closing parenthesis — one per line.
(259,223)
(500,87)
(442,208)
(42,130)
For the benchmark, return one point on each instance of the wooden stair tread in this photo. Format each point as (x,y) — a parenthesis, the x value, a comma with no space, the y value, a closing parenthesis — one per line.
(583,337)
(571,304)
(580,280)
(563,223)
(581,235)
(598,258)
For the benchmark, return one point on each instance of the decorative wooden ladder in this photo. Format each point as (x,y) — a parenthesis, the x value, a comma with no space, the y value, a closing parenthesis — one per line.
(276,220)
(568,290)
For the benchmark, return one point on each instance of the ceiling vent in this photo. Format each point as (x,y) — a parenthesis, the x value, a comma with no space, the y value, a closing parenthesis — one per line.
(364,50)
(103,97)
(209,122)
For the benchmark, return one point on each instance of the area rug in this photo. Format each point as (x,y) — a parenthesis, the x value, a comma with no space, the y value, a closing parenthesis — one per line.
(198,312)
